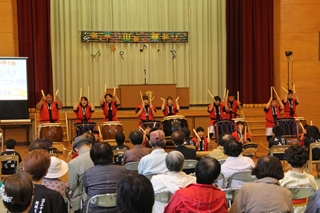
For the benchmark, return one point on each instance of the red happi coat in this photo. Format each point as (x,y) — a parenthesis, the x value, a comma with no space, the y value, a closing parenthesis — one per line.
(166,110)
(105,109)
(143,116)
(287,108)
(234,109)
(269,116)
(44,112)
(80,116)
(213,115)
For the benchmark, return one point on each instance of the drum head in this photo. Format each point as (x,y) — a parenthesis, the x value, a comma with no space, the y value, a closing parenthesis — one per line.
(111,123)
(51,124)
(173,117)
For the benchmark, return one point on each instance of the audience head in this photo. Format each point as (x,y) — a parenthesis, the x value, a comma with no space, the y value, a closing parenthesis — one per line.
(296,156)
(186,132)
(37,163)
(57,168)
(232,148)
(135,194)
(96,135)
(16,192)
(10,143)
(223,138)
(207,170)
(82,140)
(101,154)
(120,138)
(48,142)
(136,137)
(174,161)
(277,131)
(37,144)
(268,166)
(157,139)
(313,133)
(177,138)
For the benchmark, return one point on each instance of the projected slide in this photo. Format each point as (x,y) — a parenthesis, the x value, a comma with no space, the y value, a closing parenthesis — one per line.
(13,79)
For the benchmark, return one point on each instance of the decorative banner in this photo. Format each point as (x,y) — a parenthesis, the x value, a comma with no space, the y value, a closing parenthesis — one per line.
(134,37)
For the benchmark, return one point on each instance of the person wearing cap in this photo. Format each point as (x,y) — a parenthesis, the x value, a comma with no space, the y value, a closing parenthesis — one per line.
(273,113)
(290,104)
(215,109)
(240,134)
(154,163)
(231,107)
(146,110)
(57,169)
(9,167)
(77,166)
(109,106)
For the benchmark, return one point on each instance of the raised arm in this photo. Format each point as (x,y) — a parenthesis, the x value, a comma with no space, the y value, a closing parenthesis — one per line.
(141,109)
(177,103)
(75,107)
(116,97)
(269,103)
(92,107)
(60,105)
(39,104)
(152,109)
(102,98)
(211,105)
(163,103)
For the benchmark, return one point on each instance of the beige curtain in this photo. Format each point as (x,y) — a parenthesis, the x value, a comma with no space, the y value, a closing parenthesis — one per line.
(200,64)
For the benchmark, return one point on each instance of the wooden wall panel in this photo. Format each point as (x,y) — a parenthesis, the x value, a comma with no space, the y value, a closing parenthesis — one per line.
(297,27)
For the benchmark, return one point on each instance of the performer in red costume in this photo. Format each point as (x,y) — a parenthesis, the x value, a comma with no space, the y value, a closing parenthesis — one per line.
(240,134)
(83,110)
(109,106)
(272,110)
(146,110)
(202,143)
(168,108)
(290,104)
(231,107)
(215,109)
(49,109)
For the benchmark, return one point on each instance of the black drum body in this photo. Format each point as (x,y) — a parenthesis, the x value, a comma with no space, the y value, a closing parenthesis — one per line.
(172,123)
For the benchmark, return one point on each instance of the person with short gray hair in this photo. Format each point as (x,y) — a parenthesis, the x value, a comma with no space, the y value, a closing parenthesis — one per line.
(171,181)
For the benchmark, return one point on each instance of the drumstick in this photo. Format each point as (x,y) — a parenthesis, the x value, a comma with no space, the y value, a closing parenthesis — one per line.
(67,125)
(57,92)
(141,96)
(271,92)
(285,89)
(142,129)
(80,92)
(114,91)
(196,134)
(154,124)
(238,96)
(210,93)
(105,87)
(311,123)
(301,126)
(208,134)
(245,135)
(99,132)
(42,93)
(88,92)
(294,88)
(224,93)
(275,92)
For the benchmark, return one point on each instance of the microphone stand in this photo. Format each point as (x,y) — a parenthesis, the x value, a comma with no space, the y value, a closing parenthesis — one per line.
(145,76)
(288,59)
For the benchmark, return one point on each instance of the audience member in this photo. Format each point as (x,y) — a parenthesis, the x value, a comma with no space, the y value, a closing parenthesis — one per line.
(202,143)
(57,169)
(48,142)
(154,163)
(37,144)
(16,192)
(277,139)
(120,138)
(37,163)
(202,196)
(187,139)
(297,157)
(314,203)
(218,153)
(235,162)
(138,151)
(103,177)
(135,194)
(9,167)
(313,136)
(172,180)
(77,167)
(265,194)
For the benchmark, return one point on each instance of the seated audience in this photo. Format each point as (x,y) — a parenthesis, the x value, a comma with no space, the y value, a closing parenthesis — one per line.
(9,167)
(218,153)
(202,143)
(265,194)
(277,139)
(97,136)
(187,139)
(314,203)
(138,151)
(57,169)
(240,134)
(135,194)
(313,136)
(172,180)
(235,162)
(76,167)
(120,138)
(48,142)
(202,196)
(37,163)
(154,163)
(17,199)
(177,138)
(103,177)
(297,157)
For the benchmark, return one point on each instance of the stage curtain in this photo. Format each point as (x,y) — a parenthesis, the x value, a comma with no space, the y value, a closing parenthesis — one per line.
(34,43)
(250,49)
(200,64)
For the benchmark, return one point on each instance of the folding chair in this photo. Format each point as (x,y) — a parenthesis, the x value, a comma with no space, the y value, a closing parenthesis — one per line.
(132,166)
(66,200)
(163,197)
(102,200)
(230,195)
(4,159)
(220,181)
(118,155)
(278,151)
(315,145)
(190,164)
(300,195)
(222,161)
(149,176)
(243,176)
(249,148)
